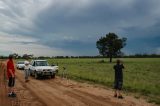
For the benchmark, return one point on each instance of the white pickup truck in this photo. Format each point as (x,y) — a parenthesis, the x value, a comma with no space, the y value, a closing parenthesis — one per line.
(41,68)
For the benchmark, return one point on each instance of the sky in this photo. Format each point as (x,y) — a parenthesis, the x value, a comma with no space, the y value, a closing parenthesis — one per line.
(72,27)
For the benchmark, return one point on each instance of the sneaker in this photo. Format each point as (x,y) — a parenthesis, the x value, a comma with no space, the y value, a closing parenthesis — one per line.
(13,94)
(9,94)
(26,80)
(115,95)
(120,97)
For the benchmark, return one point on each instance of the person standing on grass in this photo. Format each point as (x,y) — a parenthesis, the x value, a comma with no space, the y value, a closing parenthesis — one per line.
(26,70)
(118,79)
(11,76)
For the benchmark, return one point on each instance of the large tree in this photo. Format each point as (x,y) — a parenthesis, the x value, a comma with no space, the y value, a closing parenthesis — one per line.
(27,56)
(15,55)
(110,45)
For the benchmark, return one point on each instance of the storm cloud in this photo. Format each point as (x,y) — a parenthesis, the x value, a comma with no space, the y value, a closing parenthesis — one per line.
(72,27)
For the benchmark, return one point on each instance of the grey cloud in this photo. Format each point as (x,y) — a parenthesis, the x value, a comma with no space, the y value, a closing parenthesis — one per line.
(53,19)
(134,21)
(76,25)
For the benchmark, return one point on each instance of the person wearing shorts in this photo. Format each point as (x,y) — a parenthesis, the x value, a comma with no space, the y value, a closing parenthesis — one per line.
(118,82)
(11,76)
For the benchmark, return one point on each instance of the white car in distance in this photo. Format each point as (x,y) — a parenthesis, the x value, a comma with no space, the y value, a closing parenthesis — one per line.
(20,65)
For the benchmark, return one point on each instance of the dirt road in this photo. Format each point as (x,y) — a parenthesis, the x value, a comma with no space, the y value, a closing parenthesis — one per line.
(61,92)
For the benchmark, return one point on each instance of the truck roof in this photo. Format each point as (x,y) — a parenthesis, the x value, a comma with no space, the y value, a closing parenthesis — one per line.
(39,60)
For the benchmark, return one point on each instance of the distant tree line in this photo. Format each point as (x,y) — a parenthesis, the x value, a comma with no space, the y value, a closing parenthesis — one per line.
(16,56)
(143,56)
(67,57)
(119,56)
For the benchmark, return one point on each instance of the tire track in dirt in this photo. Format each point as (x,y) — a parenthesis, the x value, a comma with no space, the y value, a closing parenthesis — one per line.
(72,95)
(86,98)
(93,98)
(61,95)
(45,93)
(25,96)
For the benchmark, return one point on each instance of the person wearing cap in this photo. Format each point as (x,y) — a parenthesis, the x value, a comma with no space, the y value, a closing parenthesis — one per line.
(118,79)
(26,70)
(11,76)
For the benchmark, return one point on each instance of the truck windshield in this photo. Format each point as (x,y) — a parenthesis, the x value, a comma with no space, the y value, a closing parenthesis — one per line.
(20,62)
(41,63)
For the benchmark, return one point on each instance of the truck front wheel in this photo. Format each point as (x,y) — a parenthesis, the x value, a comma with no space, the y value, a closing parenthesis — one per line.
(53,76)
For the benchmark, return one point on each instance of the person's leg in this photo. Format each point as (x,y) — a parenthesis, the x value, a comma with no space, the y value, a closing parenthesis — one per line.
(25,75)
(119,93)
(10,86)
(29,72)
(115,87)
(119,90)
(115,93)
(13,83)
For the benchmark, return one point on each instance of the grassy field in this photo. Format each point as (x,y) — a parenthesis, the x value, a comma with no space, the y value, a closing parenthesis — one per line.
(141,75)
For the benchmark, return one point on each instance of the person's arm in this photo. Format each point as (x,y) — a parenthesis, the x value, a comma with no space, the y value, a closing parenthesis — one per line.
(114,67)
(122,65)
(14,68)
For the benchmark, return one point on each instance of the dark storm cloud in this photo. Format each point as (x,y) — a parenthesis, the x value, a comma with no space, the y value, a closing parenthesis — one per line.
(77,25)
(96,20)
(55,18)
(143,45)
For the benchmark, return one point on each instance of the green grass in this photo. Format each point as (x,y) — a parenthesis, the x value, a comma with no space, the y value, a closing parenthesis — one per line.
(141,75)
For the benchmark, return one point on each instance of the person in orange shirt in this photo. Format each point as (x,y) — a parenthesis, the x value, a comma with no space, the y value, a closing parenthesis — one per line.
(11,76)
